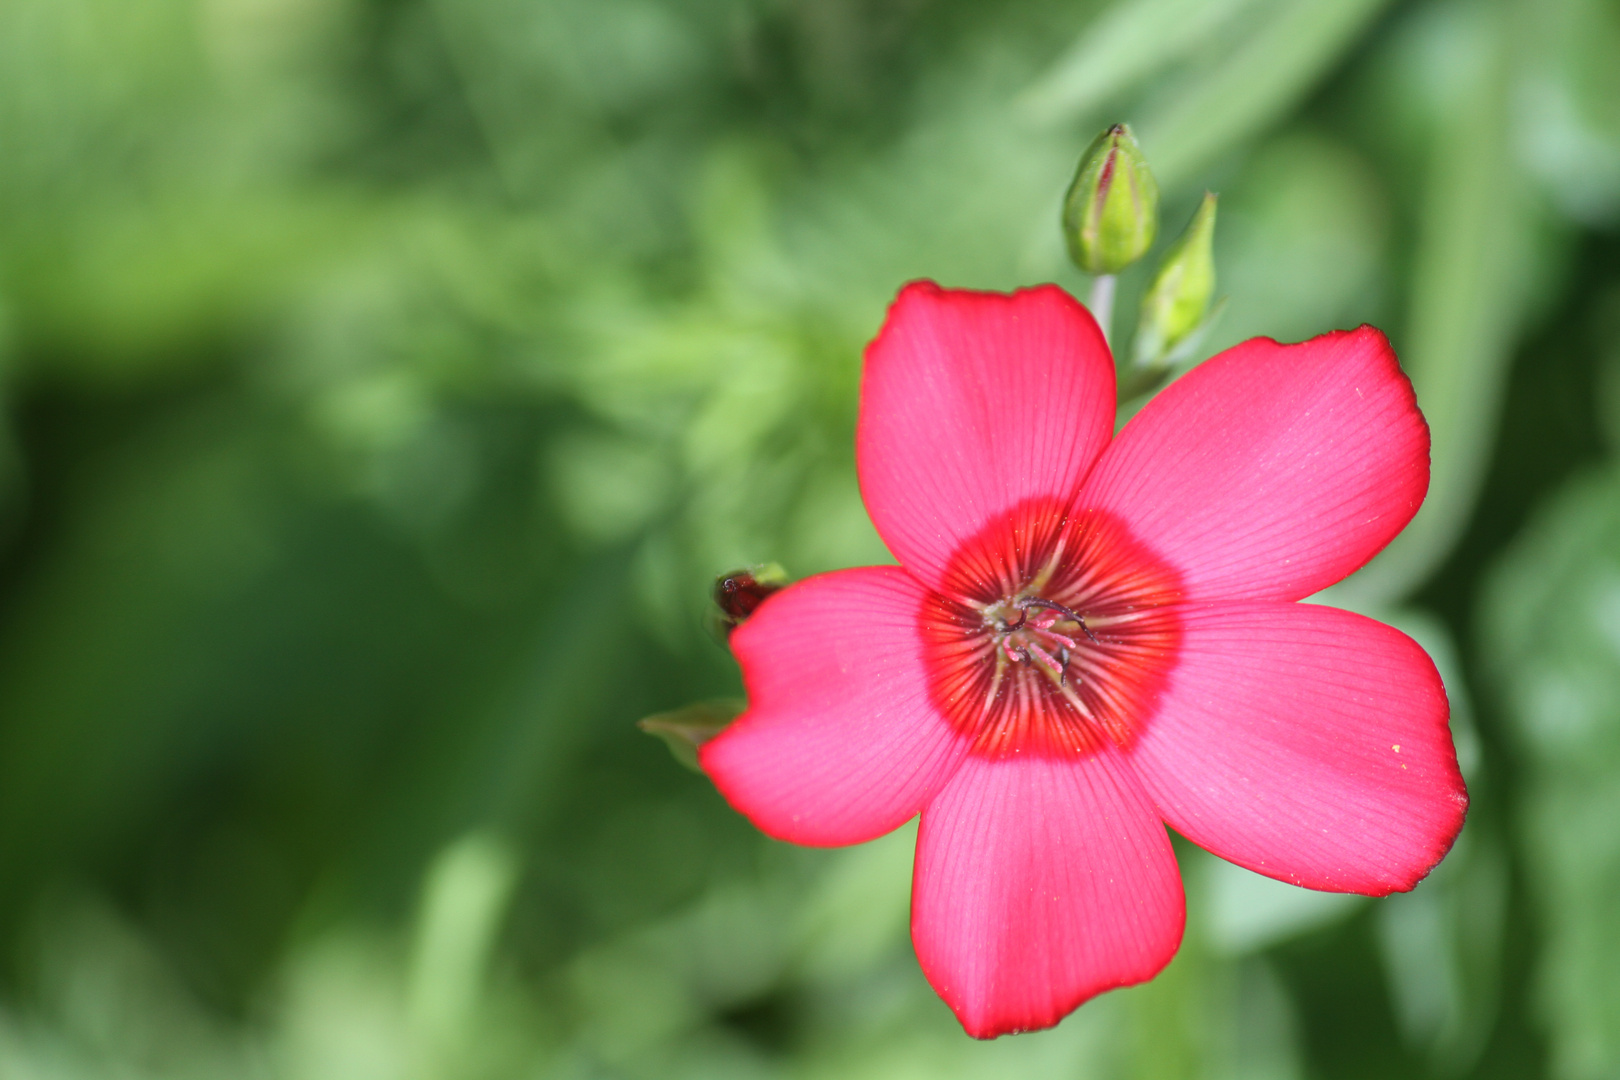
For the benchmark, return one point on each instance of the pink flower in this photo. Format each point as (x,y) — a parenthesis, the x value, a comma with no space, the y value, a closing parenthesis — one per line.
(1090,637)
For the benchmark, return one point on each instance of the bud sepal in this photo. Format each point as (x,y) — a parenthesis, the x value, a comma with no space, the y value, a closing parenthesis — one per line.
(1111,212)
(684,730)
(1176,312)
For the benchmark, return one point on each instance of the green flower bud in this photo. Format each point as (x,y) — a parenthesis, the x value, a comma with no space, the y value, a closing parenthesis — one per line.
(1111,212)
(1177,302)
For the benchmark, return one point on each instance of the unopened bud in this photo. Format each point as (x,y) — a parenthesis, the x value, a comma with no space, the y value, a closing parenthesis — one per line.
(684,730)
(739,593)
(1111,212)
(1177,302)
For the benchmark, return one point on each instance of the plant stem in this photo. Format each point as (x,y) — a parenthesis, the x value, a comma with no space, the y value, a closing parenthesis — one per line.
(1102,304)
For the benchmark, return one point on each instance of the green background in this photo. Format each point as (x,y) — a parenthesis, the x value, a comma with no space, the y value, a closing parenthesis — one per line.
(381,384)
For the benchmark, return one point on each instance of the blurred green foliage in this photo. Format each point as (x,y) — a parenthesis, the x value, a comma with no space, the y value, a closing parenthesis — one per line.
(384,380)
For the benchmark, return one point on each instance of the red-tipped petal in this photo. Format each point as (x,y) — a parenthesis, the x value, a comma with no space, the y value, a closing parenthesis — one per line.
(1271,471)
(1039,883)
(840,742)
(972,403)
(1306,743)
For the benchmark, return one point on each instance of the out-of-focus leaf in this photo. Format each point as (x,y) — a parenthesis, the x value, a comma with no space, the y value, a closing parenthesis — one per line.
(1473,269)
(1608,388)
(1244,912)
(12,479)
(860,911)
(132,292)
(1304,234)
(1569,112)
(144,206)
(109,1004)
(1293,45)
(1442,943)
(1209,1014)
(190,506)
(1551,623)
(609,487)
(1442,949)
(1124,45)
(464,898)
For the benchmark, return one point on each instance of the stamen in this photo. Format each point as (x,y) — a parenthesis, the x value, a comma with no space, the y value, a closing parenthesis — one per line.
(1045,659)
(1063,640)
(1036,602)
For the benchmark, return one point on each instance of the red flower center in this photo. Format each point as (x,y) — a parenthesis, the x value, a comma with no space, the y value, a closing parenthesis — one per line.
(1051,633)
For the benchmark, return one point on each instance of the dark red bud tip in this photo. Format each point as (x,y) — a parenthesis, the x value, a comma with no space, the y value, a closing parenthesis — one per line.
(739,593)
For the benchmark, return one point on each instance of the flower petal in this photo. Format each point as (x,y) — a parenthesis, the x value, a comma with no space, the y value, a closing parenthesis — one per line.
(840,743)
(1271,471)
(1039,883)
(1306,743)
(974,402)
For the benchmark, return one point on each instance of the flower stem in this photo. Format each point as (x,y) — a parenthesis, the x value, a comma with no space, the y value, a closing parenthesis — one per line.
(1102,303)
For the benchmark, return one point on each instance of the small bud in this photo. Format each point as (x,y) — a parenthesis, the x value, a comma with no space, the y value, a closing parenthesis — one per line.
(738,593)
(1111,212)
(1177,302)
(684,730)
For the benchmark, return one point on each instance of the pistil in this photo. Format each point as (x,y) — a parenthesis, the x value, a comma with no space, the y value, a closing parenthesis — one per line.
(1025,630)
